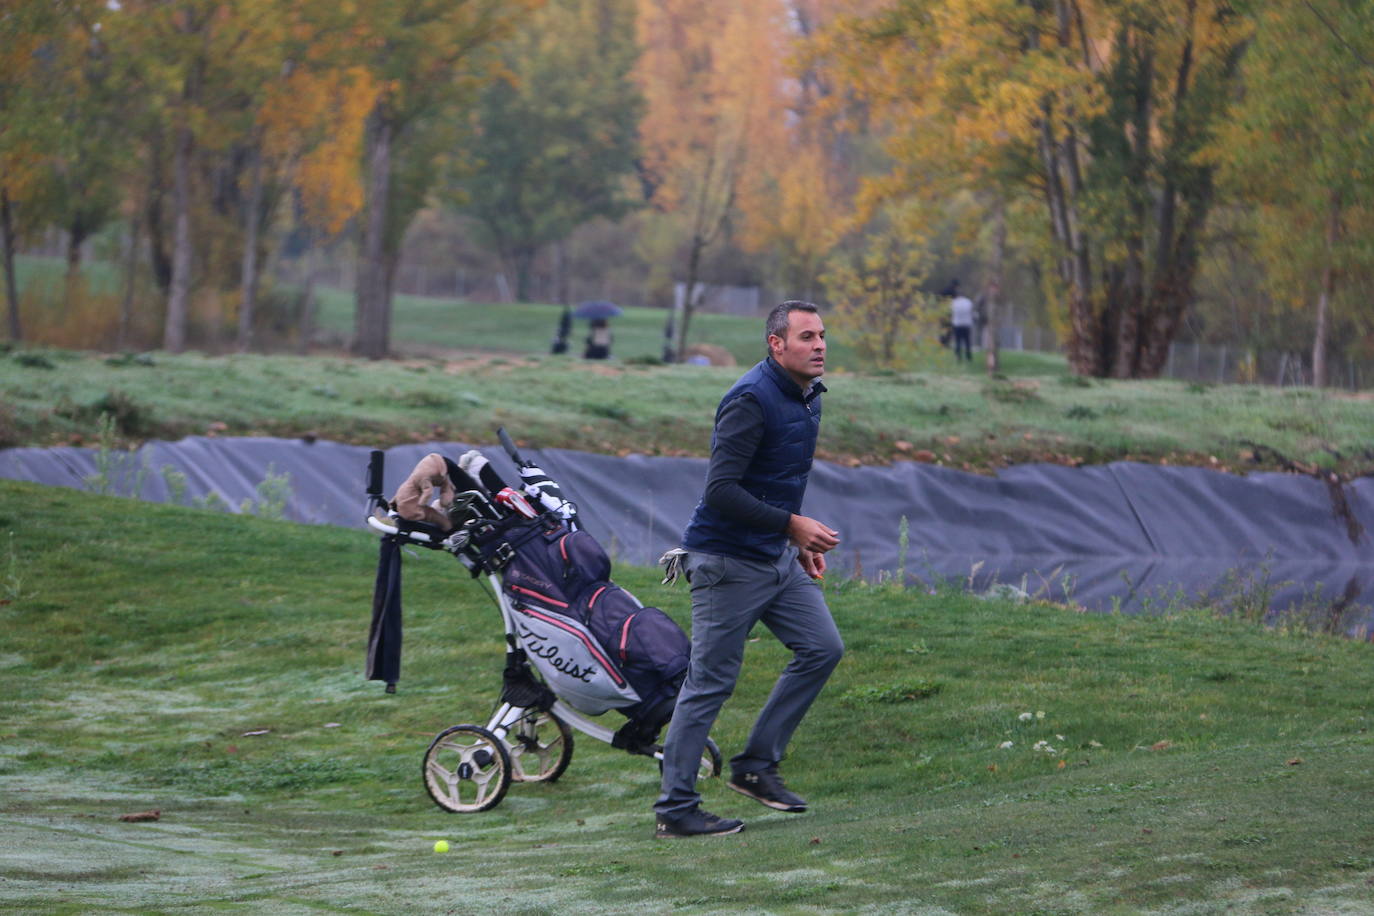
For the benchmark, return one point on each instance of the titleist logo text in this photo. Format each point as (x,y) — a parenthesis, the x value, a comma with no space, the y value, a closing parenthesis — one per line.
(540,646)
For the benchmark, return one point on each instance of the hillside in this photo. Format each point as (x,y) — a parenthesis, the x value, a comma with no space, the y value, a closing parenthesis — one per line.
(968,756)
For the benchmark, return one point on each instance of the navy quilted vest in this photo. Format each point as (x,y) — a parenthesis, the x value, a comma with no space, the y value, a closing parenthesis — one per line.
(777,474)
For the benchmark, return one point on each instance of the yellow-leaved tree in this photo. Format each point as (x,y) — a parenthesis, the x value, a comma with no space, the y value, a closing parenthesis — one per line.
(428,59)
(878,306)
(709,71)
(1095,109)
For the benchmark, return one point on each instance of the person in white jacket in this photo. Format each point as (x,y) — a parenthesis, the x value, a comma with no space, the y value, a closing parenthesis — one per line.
(961,319)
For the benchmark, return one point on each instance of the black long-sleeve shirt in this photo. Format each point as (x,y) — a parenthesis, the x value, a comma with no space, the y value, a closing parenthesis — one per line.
(739,430)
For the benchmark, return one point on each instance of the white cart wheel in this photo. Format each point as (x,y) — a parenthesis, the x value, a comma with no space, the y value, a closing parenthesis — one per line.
(710,760)
(541,747)
(467,769)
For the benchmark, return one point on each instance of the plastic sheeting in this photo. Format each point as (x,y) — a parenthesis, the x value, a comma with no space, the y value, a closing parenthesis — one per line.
(1123,535)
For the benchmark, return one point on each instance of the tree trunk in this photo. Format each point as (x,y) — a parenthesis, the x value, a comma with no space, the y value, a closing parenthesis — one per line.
(305,328)
(1084,350)
(689,295)
(1130,298)
(1328,287)
(11,284)
(560,256)
(993,296)
(157,239)
(371,327)
(248,285)
(522,263)
(178,300)
(76,237)
(126,304)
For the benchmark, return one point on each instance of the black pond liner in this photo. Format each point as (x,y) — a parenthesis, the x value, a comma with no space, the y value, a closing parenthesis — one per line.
(1126,536)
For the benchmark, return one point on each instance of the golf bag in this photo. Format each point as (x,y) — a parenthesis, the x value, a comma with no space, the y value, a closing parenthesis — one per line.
(594,644)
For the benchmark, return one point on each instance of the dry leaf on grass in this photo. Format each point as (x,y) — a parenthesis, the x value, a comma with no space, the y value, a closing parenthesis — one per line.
(140,816)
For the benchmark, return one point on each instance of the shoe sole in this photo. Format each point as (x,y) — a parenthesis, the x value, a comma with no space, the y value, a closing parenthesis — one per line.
(660,835)
(776,806)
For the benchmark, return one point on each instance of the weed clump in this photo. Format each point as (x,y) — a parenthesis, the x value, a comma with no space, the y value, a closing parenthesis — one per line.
(1008,392)
(31,360)
(130,417)
(902,692)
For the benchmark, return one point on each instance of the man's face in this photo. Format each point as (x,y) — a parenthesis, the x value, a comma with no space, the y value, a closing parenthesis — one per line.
(802,353)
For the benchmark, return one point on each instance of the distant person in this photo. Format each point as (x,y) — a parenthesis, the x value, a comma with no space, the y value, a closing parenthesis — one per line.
(752,557)
(598,340)
(961,322)
(560,337)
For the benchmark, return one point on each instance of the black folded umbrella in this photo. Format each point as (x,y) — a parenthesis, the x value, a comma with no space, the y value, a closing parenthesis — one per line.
(384,635)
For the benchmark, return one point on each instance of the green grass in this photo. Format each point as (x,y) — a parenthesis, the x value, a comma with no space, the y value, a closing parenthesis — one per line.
(1205,766)
(528,328)
(50,397)
(475,366)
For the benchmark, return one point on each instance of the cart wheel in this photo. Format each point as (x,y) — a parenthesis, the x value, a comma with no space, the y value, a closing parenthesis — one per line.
(541,747)
(467,769)
(710,760)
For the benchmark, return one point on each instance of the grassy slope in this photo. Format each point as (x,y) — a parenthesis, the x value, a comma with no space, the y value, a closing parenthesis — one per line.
(477,365)
(142,642)
(957,418)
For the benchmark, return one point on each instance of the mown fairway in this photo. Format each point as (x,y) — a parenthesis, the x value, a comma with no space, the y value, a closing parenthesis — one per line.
(1193,765)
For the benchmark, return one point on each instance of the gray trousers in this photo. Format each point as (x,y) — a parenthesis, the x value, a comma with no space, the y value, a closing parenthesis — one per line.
(729,596)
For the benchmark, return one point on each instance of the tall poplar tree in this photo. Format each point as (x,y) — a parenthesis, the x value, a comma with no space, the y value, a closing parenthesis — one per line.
(1299,148)
(1096,109)
(429,57)
(556,138)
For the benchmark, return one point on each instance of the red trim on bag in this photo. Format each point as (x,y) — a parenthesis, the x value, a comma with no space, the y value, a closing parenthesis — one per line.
(563,546)
(625,634)
(591,647)
(596,594)
(533,594)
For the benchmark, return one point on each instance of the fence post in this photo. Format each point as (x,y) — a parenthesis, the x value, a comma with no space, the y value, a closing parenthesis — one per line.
(1169,362)
(1221,366)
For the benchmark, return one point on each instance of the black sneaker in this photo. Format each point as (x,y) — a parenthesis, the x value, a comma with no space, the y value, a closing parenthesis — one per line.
(696,822)
(766,787)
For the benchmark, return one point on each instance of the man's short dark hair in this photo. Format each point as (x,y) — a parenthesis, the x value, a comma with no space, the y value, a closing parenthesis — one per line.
(778,318)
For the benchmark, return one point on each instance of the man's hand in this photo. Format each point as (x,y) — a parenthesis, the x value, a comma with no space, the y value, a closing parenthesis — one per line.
(809,534)
(812,563)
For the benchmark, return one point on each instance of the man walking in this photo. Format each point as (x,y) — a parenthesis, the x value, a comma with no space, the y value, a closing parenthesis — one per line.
(961,319)
(751,557)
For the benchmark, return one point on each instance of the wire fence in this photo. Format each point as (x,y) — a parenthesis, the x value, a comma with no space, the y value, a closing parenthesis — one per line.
(1220,364)
(1190,360)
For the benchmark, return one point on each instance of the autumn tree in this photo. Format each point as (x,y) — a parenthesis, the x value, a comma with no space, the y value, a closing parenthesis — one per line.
(878,304)
(1099,110)
(556,137)
(197,64)
(307,102)
(428,57)
(57,139)
(22,131)
(709,70)
(312,123)
(1297,149)
(80,93)
(796,201)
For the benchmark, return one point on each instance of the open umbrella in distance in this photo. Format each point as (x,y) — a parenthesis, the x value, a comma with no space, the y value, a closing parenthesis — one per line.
(594,309)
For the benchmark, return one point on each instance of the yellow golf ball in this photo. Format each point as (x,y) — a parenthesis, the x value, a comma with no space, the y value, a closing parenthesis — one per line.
(441,846)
